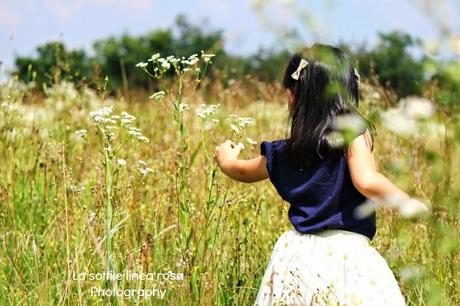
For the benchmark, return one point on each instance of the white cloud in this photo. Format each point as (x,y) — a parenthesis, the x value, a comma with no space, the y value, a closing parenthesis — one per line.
(8,18)
(65,10)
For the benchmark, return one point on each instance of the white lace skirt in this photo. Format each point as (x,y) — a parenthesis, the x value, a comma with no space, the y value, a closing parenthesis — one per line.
(333,267)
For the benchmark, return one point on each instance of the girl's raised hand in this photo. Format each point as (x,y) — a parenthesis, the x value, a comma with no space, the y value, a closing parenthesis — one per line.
(243,170)
(227,152)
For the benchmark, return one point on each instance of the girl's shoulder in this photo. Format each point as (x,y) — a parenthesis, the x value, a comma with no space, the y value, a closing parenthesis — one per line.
(366,138)
(274,152)
(273,147)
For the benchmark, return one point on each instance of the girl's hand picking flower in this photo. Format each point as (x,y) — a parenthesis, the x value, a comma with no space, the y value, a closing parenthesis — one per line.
(227,153)
(248,171)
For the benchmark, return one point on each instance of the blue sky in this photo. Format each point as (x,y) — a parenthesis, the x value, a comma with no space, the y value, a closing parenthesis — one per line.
(24,24)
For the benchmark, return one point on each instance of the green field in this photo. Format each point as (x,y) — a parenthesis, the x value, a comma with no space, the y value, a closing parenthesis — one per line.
(144,195)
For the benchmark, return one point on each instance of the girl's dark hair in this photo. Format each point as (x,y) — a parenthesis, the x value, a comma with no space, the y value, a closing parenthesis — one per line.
(326,88)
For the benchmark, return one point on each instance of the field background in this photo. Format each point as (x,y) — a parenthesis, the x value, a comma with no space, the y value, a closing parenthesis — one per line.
(107,168)
(185,216)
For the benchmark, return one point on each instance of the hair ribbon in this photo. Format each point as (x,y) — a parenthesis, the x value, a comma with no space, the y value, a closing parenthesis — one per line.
(296,74)
(357,76)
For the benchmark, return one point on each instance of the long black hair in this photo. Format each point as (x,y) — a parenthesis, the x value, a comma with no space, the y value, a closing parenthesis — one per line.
(326,88)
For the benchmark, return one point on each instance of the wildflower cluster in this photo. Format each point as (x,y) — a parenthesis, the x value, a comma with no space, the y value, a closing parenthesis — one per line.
(345,128)
(81,133)
(205,111)
(158,95)
(239,124)
(143,167)
(157,66)
(238,127)
(407,208)
(109,124)
(407,118)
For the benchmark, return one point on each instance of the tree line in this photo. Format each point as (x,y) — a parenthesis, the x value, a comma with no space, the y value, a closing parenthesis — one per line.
(390,62)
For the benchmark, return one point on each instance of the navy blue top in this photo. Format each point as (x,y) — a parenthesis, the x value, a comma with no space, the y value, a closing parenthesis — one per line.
(321,197)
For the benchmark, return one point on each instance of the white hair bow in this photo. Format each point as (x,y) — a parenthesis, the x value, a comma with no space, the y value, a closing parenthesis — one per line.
(357,76)
(296,74)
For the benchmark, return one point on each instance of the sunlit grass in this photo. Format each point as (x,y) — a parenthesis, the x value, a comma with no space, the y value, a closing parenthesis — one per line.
(165,205)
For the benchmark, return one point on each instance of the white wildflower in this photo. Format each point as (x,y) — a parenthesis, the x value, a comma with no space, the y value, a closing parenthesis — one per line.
(143,163)
(412,208)
(398,122)
(121,162)
(407,208)
(103,112)
(145,171)
(81,133)
(142,138)
(208,126)
(92,216)
(158,95)
(350,122)
(234,128)
(128,116)
(126,121)
(375,95)
(410,272)
(416,107)
(207,56)
(183,107)
(204,110)
(100,115)
(192,61)
(164,63)
(244,121)
(134,133)
(154,57)
(433,130)
(142,64)
(336,139)
(251,141)
(364,210)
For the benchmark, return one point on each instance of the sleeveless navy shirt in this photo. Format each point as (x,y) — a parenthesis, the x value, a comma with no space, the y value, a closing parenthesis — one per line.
(320,197)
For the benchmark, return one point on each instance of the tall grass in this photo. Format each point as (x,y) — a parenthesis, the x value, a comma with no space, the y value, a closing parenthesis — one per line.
(87,202)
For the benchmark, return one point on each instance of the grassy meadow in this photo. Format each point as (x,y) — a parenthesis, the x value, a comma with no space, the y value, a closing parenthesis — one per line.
(92,183)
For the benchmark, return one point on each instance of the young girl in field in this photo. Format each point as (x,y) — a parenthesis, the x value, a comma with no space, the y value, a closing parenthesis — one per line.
(326,259)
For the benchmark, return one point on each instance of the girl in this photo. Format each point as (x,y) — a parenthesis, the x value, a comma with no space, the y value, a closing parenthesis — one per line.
(326,259)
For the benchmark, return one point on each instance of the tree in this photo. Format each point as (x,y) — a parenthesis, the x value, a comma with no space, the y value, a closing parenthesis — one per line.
(393,63)
(54,62)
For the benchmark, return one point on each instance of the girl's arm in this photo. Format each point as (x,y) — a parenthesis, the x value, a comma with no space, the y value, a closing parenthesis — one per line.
(247,171)
(364,174)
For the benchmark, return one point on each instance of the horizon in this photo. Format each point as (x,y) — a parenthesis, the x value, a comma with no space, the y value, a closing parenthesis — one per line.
(77,23)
